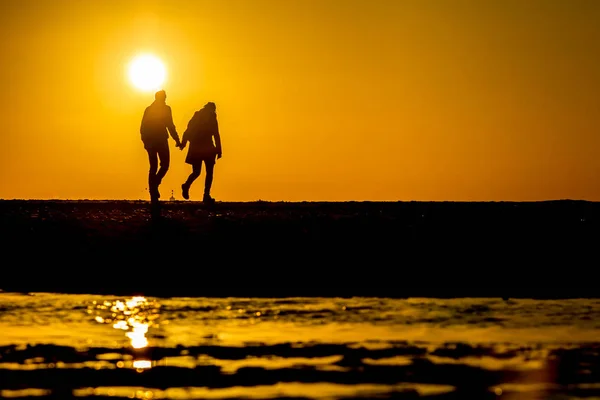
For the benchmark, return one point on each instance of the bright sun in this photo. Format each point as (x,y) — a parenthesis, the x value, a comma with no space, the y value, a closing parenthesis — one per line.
(147,73)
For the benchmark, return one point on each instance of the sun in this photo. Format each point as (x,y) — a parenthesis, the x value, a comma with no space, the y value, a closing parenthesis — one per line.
(146,72)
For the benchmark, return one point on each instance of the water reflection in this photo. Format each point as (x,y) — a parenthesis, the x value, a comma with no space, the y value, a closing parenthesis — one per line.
(142,364)
(135,316)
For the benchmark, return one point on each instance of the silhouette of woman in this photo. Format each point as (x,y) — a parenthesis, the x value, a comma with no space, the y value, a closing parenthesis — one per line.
(201,130)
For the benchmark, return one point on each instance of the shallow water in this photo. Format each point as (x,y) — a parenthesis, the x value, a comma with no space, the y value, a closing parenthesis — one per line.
(316,348)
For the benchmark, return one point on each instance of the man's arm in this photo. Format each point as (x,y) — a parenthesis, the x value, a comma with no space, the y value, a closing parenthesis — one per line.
(171,126)
(143,124)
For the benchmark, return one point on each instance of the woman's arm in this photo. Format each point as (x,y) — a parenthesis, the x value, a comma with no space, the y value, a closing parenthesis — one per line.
(217,140)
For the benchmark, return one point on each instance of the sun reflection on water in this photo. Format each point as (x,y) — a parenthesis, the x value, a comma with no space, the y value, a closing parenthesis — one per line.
(135,316)
(142,364)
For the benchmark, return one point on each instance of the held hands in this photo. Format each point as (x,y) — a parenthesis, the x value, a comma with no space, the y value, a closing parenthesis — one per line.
(181,146)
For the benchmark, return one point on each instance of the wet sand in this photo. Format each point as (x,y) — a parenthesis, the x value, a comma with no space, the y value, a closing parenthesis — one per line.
(56,346)
(279,249)
(401,371)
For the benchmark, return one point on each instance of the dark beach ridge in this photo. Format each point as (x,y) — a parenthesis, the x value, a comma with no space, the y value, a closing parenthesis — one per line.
(388,249)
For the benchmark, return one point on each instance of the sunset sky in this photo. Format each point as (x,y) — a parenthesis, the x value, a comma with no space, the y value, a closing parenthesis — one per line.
(316,99)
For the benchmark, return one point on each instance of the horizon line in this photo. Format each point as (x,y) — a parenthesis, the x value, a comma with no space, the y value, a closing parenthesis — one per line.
(178,201)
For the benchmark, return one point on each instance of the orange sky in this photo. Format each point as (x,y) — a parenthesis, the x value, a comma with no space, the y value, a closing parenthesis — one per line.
(316,99)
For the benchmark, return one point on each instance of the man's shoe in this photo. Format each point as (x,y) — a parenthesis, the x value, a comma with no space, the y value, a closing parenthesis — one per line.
(185,191)
(154,193)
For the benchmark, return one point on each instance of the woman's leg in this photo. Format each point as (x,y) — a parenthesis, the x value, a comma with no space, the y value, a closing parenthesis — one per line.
(210,166)
(196,170)
(185,188)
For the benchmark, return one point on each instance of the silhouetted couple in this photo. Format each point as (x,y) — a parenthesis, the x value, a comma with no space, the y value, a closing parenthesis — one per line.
(201,129)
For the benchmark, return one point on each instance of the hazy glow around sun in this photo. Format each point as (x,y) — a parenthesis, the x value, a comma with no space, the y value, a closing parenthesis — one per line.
(146,72)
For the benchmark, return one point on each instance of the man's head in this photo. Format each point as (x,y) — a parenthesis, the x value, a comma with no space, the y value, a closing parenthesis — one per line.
(161,95)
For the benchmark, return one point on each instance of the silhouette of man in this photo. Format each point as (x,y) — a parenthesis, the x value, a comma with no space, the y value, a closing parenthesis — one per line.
(201,130)
(157,119)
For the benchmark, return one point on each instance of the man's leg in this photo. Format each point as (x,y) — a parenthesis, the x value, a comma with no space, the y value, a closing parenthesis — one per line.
(165,160)
(153,159)
(185,188)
